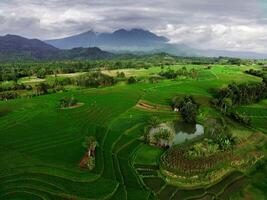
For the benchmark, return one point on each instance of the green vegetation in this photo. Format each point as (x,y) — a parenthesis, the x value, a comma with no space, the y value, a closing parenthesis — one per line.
(188,108)
(99,150)
(68,102)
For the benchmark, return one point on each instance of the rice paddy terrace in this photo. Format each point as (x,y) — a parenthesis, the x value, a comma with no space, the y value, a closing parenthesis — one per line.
(41,145)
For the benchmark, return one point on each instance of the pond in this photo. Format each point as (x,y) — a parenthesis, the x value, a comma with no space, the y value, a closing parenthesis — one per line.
(186,131)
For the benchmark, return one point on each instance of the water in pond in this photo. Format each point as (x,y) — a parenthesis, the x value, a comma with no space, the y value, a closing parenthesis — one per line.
(186,131)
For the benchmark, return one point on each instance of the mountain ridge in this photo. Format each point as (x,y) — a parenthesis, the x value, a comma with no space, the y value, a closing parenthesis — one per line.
(120,37)
(122,41)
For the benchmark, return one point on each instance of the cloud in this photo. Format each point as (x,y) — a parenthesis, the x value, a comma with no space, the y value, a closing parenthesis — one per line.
(217,24)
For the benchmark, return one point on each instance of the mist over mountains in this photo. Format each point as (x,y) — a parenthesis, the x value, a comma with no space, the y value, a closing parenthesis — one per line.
(119,39)
(140,41)
(93,45)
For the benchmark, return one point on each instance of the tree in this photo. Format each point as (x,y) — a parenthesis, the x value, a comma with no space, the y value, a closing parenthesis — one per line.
(189,109)
(67,102)
(132,80)
(42,88)
(41,73)
(153,122)
(120,75)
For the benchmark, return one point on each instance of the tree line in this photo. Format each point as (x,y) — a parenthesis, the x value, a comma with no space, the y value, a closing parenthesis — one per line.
(234,95)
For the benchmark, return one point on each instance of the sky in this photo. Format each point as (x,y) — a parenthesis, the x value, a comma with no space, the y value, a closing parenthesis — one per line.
(237,25)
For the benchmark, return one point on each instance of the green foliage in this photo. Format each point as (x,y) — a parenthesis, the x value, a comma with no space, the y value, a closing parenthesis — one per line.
(162,136)
(8,95)
(131,80)
(41,73)
(42,88)
(240,94)
(153,121)
(188,108)
(120,75)
(254,72)
(242,119)
(95,79)
(205,148)
(221,135)
(67,102)
(171,74)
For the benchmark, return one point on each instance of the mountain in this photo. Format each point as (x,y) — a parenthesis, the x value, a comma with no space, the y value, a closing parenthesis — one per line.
(13,44)
(135,41)
(17,48)
(85,40)
(139,41)
(118,40)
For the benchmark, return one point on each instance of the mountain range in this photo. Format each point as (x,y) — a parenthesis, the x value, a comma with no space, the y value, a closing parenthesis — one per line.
(141,41)
(122,39)
(92,45)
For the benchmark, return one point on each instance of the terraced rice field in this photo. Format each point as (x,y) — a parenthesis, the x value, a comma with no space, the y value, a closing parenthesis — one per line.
(41,145)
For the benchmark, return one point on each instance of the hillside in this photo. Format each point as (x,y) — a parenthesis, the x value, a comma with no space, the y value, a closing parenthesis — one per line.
(13,45)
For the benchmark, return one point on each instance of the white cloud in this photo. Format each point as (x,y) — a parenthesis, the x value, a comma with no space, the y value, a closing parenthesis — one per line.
(213,24)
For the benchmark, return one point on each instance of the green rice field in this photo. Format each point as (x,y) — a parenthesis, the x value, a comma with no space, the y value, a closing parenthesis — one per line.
(41,145)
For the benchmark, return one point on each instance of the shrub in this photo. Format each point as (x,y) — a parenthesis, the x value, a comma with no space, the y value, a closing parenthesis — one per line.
(131,80)
(8,95)
(68,102)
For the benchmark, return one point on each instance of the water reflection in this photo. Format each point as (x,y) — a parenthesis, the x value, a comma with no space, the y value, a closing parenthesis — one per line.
(186,131)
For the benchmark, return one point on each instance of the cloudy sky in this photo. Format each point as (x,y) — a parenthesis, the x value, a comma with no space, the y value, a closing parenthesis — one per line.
(205,24)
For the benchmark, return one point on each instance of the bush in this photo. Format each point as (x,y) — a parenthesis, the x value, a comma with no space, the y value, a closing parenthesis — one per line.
(42,88)
(68,102)
(120,75)
(240,118)
(17,86)
(132,80)
(8,95)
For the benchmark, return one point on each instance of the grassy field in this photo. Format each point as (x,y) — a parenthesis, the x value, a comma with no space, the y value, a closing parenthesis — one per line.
(41,145)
